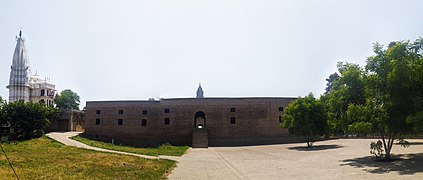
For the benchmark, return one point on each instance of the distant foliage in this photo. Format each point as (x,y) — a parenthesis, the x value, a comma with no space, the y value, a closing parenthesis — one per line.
(332,78)
(305,117)
(343,90)
(2,101)
(67,99)
(27,120)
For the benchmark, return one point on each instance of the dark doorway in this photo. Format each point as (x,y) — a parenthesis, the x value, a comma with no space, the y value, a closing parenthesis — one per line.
(64,125)
(200,120)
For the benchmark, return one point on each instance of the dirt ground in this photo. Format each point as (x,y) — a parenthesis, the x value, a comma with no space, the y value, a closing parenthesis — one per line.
(331,159)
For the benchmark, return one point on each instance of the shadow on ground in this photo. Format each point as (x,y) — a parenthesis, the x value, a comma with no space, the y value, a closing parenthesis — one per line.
(406,164)
(412,143)
(315,148)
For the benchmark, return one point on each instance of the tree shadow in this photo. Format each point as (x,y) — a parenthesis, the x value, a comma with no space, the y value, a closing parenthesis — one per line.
(404,164)
(315,148)
(412,143)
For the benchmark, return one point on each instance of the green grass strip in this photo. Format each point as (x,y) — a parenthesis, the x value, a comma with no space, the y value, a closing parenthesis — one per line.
(44,158)
(168,150)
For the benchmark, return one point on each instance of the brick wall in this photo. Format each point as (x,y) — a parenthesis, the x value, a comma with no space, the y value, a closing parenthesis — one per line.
(256,120)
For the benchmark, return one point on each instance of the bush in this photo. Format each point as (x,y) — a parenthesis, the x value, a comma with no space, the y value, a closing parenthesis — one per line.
(376,148)
(26,120)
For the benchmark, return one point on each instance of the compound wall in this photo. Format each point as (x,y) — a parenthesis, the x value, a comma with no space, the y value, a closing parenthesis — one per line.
(229,121)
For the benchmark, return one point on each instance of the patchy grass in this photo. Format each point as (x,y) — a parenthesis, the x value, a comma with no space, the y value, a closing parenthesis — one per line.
(168,150)
(43,158)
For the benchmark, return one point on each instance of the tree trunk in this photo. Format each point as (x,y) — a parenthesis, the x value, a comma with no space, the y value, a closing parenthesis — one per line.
(387,155)
(388,146)
(308,141)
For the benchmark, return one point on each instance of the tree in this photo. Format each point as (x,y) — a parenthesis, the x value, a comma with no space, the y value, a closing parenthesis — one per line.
(305,117)
(357,117)
(67,99)
(394,90)
(333,77)
(2,101)
(384,98)
(341,91)
(27,120)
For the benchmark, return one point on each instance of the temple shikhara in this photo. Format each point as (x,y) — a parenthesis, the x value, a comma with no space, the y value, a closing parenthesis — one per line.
(23,85)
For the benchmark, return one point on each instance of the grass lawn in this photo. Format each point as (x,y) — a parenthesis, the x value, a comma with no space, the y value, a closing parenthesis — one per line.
(161,150)
(43,158)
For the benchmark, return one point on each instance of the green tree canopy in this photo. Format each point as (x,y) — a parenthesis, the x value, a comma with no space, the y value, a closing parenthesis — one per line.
(305,117)
(332,78)
(384,98)
(394,90)
(343,90)
(67,99)
(27,120)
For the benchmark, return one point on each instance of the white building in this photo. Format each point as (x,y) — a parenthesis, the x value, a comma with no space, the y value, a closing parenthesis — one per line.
(23,86)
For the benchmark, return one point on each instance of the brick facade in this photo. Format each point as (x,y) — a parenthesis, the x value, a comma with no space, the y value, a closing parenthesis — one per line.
(229,121)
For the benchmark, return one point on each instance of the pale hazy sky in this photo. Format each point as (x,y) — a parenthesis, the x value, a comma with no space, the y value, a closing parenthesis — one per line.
(122,50)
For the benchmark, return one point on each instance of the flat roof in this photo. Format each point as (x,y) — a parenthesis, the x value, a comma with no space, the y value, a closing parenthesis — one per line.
(208,98)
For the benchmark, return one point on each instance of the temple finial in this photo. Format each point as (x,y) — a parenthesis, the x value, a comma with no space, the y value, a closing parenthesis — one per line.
(20,33)
(200,92)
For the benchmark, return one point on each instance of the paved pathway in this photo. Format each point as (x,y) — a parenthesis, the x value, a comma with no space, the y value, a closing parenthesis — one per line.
(64,138)
(332,159)
(204,164)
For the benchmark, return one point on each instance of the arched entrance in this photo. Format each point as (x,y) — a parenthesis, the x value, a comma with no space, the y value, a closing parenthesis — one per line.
(200,120)
(200,138)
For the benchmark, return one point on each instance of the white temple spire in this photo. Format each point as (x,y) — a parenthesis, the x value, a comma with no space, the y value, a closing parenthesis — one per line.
(23,86)
(19,73)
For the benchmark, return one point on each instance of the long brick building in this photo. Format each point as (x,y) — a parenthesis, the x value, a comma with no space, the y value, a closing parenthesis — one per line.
(199,121)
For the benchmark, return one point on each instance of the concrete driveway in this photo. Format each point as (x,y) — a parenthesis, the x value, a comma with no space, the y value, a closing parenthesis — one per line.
(332,159)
